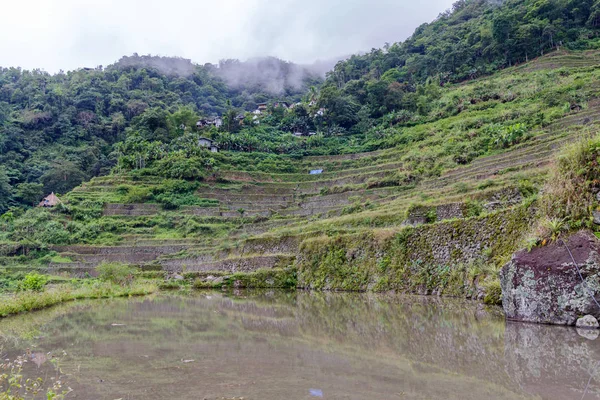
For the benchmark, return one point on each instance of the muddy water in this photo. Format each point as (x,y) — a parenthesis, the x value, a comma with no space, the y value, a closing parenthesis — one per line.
(276,345)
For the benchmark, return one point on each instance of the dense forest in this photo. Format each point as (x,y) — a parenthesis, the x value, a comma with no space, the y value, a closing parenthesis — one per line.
(59,130)
(474,38)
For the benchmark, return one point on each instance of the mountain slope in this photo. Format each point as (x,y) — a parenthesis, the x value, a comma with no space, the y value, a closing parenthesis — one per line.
(59,130)
(454,191)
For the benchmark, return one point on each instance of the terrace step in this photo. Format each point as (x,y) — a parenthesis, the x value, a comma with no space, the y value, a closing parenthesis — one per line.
(231,265)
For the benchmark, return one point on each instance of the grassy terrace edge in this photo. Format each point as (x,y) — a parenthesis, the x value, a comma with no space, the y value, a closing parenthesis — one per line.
(32,300)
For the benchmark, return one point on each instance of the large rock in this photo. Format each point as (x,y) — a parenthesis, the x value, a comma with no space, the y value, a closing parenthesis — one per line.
(543,285)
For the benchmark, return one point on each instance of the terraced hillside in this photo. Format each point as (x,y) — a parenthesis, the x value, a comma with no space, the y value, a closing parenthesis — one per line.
(444,195)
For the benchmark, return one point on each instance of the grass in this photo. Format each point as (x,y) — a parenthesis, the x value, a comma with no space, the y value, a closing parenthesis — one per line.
(567,199)
(90,289)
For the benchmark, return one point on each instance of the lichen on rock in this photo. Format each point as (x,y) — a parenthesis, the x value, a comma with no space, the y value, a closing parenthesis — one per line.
(544,286)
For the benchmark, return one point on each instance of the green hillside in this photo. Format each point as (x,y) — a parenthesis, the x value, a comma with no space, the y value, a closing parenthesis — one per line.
(430,174)
(57,131)
(236,219)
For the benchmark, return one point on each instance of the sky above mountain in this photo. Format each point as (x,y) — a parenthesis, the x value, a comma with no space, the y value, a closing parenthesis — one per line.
(68,34)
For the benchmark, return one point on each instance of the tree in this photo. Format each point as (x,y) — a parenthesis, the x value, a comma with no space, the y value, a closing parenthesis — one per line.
(594,18)
(6,192)
(30,193)
(183,120)
(339,109)
(62,176)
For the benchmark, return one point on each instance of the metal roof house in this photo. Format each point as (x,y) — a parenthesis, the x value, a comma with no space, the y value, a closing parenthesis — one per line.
(209,144)
(216,121)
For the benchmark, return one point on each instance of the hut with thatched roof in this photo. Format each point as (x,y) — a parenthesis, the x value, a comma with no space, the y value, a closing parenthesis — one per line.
(50,201)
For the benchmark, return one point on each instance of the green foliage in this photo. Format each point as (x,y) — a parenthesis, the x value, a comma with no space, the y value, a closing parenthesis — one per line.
(282,278)
(89,289)
(117,273)
(38,226)
(34,281)
(553,227)
(173,194)
(527,189)
(486,184)
(493,292)
(504,137)
(192,228)
(29,193)
(473,208)
(567,199)
(408,75)
(6,192)
(60,130)
(135,194)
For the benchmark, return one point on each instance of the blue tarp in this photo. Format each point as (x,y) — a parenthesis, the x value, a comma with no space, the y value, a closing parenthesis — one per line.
(316,171)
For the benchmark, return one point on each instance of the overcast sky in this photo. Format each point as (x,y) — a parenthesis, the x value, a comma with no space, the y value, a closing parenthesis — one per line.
(68,34)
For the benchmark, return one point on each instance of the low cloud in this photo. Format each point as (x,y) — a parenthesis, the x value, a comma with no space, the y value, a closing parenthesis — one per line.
(68,34)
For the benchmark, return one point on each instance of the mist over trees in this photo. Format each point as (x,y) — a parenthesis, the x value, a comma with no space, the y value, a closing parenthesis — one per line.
(272,74)
(266,74)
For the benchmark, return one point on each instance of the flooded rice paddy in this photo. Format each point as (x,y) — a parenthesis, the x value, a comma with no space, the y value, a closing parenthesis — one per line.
(298,345)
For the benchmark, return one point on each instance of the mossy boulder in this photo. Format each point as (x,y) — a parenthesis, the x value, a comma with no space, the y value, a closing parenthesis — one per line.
(543,285)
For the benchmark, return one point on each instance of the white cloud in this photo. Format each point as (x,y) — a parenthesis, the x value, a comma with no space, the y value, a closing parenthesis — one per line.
(67,34)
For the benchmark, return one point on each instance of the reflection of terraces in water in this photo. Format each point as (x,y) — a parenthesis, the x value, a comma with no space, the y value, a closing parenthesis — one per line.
(385,343)
(286,208)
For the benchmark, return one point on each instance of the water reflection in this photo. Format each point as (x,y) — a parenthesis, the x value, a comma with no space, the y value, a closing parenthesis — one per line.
(281,345)
(552,362)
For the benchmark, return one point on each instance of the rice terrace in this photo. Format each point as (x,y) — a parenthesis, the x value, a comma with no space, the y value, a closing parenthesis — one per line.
(420,221)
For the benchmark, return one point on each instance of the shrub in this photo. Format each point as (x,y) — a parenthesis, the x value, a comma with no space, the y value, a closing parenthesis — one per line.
(504,137)
(167,203)
(486,184)
(462,187)
(33,281)
(193,227)
(567,194)
(55,233)
(137,194)
(179,166)
(527,188)
(123,189)
(493,292)
(118,273)
(473,208)
(86,210)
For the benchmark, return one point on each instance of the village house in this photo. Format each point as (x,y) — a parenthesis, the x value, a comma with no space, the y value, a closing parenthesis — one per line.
(240,118)
(209,144)
(216,122)
(261,108)
(50,201)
